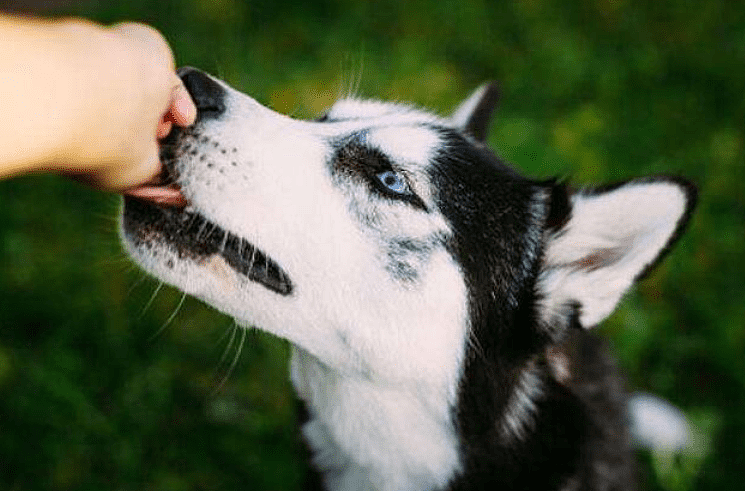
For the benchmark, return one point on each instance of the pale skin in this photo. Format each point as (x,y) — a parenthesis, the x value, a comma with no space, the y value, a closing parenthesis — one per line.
(87,101)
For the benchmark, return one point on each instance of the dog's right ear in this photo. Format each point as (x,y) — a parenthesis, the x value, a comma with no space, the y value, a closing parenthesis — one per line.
(473,115)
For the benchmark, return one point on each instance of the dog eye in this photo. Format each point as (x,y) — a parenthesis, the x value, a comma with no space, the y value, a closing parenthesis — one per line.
(393,182)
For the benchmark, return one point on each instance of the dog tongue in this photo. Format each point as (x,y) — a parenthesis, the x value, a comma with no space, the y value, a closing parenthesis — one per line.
(166,196)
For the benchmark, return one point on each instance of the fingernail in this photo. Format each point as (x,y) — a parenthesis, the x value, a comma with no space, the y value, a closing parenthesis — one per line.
(184,109)
(164,127)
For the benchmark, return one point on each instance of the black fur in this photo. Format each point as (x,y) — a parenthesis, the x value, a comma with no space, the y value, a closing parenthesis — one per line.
(481,117)
(191,235)
(357,160)
(560,209)
(499,218)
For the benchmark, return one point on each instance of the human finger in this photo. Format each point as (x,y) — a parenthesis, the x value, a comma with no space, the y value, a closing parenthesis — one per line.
(148,170)
(152,40)
(182,110)
(164,127)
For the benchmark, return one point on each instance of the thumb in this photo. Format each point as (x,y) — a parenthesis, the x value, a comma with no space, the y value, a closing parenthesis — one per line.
(145,172)
(122,177)
(119,178)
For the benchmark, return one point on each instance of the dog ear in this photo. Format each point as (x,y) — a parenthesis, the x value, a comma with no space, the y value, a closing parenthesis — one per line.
(473,115)
(606,240)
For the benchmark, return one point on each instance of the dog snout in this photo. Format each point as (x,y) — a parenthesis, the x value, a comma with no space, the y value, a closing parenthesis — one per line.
(208,95)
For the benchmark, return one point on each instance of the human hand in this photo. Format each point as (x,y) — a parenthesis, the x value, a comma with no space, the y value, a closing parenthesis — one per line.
(137,102)
(86,100)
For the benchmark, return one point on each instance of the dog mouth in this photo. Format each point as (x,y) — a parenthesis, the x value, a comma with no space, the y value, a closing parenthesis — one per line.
(162,189)
(157,212)
(165,195)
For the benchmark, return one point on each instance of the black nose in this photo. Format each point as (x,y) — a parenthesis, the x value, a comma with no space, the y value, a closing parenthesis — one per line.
(208,95)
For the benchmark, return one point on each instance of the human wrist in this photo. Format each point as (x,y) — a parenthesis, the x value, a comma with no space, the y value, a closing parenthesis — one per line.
(40,93)
(87,93)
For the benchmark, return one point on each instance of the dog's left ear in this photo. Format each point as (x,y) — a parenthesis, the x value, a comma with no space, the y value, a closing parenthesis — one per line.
(605,239)
(473,115)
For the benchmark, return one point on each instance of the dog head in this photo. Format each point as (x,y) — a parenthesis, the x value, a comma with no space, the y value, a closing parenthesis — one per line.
(381,239)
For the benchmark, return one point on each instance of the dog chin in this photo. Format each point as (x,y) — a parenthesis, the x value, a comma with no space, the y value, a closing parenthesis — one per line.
(188,236)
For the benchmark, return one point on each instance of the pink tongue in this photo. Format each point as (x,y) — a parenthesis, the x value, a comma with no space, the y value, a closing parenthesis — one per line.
(169,196)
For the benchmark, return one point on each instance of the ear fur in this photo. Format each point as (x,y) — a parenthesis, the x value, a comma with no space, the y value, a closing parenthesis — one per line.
(612,237)
(473,115)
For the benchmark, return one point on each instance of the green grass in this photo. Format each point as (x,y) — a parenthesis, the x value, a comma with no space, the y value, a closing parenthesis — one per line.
(593,91)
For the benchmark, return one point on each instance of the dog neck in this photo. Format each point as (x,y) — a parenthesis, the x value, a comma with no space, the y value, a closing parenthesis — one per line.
(368,435)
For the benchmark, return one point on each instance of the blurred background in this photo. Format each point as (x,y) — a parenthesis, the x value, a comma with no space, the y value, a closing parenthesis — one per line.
(109,380)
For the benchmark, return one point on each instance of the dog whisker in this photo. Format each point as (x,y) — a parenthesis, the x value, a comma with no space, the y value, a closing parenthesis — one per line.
(232,331)
(170,318)
(136,283)
(152,299)
(224,242)
(238,350)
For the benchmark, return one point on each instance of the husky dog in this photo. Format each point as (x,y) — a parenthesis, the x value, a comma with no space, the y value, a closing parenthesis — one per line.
(438,302)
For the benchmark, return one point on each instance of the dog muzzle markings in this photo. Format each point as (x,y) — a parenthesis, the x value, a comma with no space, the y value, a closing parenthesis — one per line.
(158,210)
(192,236)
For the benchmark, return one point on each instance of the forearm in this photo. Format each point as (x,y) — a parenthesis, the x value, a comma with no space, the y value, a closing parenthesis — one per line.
(43,96)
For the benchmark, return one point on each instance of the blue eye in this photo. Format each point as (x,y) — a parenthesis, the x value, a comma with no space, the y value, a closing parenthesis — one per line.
(393,181)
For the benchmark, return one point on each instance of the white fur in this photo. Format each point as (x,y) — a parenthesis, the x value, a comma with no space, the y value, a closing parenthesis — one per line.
(378,359)
(384,114)
(658,425)
(462,114)
(610,238)
(521,409)
(396,436)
